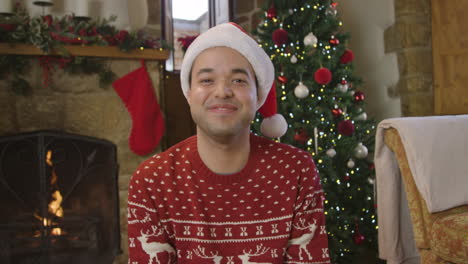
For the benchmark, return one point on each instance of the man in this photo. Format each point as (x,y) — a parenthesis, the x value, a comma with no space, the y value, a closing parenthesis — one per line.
(226,195)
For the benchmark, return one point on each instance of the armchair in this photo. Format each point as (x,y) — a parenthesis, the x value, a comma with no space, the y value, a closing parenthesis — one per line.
(440,237)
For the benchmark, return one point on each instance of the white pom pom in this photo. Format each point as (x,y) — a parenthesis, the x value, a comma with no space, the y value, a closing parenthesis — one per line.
(274,126)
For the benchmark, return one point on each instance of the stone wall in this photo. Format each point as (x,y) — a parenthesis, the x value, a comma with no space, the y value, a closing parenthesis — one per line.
(248,12)
(410,37)
(76,104)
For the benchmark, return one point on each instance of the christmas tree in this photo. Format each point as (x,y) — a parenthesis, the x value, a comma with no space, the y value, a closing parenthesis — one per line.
(317,93)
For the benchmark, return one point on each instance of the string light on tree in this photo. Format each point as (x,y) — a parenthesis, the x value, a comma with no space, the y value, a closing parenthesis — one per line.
(325,119)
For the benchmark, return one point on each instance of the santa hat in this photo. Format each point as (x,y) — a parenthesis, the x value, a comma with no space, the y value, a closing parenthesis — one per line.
(233,36)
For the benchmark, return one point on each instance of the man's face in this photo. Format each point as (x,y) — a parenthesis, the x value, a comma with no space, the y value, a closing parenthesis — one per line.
(223,95)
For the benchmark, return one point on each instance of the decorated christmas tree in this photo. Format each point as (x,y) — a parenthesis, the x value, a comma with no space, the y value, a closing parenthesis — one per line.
(318,94)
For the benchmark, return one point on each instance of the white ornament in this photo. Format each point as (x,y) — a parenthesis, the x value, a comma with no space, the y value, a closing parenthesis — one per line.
(331,11)
(301,91)
(293,59)
(350,163)
(342,87)
(360,151)
(331,153)
(290,11)
(310,39)
(371,181)
(362,116)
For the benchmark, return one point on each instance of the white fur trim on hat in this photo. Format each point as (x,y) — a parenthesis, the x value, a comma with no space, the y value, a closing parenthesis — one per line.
(229,35)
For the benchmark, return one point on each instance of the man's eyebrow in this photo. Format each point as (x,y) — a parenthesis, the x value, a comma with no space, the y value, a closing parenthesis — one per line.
(240,70)
(203,70)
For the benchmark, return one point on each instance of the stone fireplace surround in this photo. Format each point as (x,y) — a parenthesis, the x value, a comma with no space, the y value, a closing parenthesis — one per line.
(76,104)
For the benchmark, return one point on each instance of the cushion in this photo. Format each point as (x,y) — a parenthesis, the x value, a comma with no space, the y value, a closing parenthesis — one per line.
(449,237)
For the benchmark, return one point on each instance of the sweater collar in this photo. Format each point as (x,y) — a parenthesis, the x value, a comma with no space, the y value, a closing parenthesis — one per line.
(204,174)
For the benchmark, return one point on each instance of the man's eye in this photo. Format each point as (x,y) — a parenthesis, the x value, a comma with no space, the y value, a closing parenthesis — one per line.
(239,81)
(206,81)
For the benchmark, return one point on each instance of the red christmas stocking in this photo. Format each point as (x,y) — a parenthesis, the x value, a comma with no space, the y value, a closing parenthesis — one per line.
(136,91)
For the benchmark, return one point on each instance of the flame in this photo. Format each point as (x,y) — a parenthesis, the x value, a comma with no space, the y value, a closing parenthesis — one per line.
(54,206)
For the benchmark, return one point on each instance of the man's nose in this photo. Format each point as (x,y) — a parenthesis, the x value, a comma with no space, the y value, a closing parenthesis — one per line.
(224,89)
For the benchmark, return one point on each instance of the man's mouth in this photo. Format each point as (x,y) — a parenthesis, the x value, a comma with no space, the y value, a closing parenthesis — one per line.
(222,108)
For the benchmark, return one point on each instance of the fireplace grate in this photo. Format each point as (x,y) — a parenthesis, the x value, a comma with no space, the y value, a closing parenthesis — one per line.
(59,199)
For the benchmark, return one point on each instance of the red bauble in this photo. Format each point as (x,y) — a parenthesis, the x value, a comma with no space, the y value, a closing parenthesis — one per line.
(346,178)
(334,41)
(323,76)
(359,96)
(280,36)
(347,57)
(346,127)
(301,136)
(371,166)
(282,79)
(337,112)
(271,12)
(358,238)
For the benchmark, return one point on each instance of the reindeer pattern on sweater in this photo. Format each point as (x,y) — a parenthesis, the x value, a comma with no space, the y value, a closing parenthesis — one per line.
(270,212)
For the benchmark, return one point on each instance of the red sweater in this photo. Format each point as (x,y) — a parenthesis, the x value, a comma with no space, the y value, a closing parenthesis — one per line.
(270,212)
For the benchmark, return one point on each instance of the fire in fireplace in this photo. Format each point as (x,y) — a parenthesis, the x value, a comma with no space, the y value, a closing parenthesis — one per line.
(59,199)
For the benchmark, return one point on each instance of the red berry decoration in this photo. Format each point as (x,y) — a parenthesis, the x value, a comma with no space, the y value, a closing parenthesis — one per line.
(347,57)
(280,36)
(337,112)
(301,136)
(359,96)
(271,12)
(8,27)
(282,79)
(323,76)
(346,127)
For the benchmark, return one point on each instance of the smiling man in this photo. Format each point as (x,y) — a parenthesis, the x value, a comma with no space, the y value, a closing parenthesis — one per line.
(226,195)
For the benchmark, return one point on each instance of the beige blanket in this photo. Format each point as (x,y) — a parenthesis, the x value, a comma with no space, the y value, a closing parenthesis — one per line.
(437,151)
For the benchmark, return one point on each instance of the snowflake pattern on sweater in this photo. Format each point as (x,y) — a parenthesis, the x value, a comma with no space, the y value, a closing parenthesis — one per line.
(270,212)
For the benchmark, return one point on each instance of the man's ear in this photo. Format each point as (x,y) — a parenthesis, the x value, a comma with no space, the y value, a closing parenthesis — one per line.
(189,92)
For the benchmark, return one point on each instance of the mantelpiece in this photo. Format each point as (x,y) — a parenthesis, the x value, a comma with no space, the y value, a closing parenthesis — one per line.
(88,51)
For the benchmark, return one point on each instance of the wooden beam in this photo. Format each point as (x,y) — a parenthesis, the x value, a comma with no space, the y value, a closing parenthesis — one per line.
(87,51)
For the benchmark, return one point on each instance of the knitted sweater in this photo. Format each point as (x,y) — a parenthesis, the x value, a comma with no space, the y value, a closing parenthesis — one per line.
(270,212)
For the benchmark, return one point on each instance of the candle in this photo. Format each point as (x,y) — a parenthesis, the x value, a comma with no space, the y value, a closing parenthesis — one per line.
(6,6)
(82,8)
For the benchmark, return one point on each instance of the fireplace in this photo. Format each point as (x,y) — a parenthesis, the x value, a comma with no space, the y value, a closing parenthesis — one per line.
(58,199)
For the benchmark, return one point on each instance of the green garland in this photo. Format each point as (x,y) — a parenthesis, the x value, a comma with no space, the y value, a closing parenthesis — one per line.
(53,33)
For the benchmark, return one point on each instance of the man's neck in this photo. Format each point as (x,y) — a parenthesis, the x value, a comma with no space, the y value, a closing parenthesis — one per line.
(224,155)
